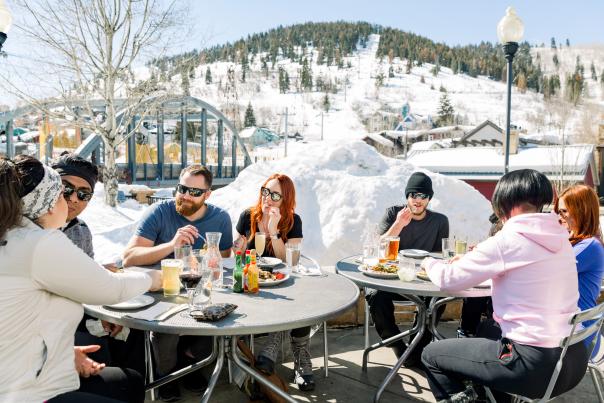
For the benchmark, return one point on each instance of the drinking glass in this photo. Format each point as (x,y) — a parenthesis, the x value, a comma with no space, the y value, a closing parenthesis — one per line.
(383,250)
(202,294)
(292,256)
(183,253)
(171,269)
(460,246)
(370,254)
(406,270)
(260,242)
(448,248)
(392,252)
(191,277)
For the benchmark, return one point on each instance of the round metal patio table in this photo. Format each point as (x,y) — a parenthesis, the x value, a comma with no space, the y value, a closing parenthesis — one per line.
(411,290)
(299,301)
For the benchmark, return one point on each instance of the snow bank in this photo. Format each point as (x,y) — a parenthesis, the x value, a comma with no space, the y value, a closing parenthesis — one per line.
(341,189)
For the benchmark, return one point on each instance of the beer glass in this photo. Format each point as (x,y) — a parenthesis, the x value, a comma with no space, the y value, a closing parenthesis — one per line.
(460,246)
(171,269)
(392,252)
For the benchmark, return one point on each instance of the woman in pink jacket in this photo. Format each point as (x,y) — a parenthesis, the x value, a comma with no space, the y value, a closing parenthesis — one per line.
(534,290)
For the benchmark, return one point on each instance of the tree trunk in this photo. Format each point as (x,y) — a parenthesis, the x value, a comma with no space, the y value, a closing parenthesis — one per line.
(110,176)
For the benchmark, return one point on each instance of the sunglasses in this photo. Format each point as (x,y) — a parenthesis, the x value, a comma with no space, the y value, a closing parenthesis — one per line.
(69,189)
(422,196)
(562,211)
(274,195)
(195,192)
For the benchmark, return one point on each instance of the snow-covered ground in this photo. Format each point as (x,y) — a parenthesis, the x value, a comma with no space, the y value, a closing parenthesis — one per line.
(341,189)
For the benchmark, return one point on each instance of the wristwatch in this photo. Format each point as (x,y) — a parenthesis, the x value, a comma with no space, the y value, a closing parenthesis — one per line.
(276,236)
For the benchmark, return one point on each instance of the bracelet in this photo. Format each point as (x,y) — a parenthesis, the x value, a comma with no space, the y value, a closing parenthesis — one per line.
(274,237)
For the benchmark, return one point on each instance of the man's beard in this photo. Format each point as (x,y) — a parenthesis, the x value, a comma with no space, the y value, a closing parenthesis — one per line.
(187,208)
(417,210)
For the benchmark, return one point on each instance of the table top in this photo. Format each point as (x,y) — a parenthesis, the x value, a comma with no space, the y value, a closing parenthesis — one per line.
(297,302)
(348,268)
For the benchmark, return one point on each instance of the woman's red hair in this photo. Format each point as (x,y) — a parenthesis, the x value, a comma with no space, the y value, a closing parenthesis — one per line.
(582,204)
(288,204)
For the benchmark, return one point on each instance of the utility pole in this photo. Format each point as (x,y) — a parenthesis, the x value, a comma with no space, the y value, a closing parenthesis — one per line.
(286,114)
(322,120)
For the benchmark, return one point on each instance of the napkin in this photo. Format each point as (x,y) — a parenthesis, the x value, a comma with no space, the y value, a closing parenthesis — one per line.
(309,271)
(95,328)
(151,313)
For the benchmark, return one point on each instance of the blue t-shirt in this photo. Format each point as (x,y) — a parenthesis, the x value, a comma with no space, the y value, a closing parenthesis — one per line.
(590,266)
(161,221)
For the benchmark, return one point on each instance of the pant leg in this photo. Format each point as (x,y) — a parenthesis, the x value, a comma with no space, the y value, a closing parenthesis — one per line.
(381,309)
(199,347)
(501,365)
(110,385)
(129,353)
(471,313)
(165,351)
(300,332)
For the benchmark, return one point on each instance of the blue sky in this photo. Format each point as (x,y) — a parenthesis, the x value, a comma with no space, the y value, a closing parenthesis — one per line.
(455,22)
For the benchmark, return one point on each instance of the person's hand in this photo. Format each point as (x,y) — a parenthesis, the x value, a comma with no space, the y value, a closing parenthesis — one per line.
(156,280)
(424,263)
(185,236)
(112,328)
(403,217)
(455,258)
(240,244)
(85,366)
(274,216)
(112,267)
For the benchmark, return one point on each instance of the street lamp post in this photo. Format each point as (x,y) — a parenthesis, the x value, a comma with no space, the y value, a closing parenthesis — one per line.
(6,20)
(509,30)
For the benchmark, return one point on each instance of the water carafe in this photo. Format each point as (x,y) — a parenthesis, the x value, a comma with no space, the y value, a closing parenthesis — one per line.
(213,258)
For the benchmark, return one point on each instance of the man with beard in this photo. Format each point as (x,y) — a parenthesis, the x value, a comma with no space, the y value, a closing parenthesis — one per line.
(165,226)
(418,228)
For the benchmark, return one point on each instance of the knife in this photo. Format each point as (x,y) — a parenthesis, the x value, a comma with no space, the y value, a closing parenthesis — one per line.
(170,312)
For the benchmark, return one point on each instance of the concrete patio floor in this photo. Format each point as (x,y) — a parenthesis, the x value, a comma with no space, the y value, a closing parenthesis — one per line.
(346,381)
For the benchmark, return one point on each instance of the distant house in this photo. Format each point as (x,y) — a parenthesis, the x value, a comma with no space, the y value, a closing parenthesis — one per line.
(257,136)
(481,167)
(414,121)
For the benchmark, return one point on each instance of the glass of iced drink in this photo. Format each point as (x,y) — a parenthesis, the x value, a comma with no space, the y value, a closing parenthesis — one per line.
(171,269)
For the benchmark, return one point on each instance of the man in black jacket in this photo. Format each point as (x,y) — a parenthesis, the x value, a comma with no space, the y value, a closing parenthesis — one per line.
(418,228)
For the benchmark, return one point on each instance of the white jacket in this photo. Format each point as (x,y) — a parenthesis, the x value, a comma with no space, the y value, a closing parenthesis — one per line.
(44,279)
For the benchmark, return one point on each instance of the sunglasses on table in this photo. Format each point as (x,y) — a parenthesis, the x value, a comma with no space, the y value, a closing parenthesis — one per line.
(422,196)
(195,192)
(82,194)
(274,195)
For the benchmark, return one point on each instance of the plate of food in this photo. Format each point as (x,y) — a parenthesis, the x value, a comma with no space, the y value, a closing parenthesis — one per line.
(380,270)
(268,261)
(268,279)
(134,303)
(415,253)
(422,275)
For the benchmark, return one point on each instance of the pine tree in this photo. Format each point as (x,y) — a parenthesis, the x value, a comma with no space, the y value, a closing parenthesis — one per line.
(442,88)
(567,43)
(264,67)
(306,76)
(445,112)
(556,61)
(521,82)
(391,72)
(185,84)
(283,80)
(409,66)
(208,75)
(245,66)
(250,119)
(326,103)
(436,69)
(379,80)
(594,75)
(553,44)
(422,80)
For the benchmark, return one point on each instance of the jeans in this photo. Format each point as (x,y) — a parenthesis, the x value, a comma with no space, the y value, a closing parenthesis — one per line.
(502,365)
(109,386)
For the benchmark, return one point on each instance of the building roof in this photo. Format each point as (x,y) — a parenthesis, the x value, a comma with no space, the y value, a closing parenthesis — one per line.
(487,162)
(479,128)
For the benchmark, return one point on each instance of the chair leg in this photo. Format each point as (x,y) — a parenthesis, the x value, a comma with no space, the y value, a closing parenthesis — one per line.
(325,350)
(595,377)
(366,324)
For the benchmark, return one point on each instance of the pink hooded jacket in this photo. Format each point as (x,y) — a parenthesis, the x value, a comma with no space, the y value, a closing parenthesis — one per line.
(534,278)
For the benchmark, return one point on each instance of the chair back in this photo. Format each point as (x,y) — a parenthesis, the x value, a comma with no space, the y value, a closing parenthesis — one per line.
(577,334)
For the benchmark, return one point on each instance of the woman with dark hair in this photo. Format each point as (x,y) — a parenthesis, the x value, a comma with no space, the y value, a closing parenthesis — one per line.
(274,216)
(534,293)
(45,280)
(579,212)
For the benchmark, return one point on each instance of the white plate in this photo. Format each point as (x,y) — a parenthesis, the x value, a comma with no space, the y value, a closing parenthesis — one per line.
(134,303)
(271,283)
(377,274)
(268,261)
(414,253)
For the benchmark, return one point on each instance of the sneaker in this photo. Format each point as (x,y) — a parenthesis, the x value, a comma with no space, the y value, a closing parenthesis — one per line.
(466,396)
(303,376)
(268,356)
(170,392)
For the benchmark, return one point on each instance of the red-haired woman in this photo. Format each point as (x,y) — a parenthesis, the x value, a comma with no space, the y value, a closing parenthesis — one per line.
(578,211)
(274,215)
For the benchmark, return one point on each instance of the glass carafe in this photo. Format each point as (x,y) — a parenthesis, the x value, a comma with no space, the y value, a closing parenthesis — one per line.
(213,258)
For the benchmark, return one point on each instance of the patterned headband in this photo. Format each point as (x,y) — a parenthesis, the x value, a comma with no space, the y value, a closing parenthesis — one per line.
(44,196)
